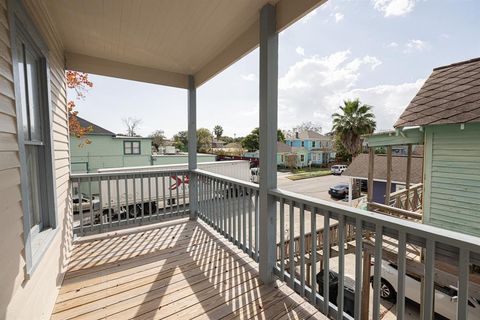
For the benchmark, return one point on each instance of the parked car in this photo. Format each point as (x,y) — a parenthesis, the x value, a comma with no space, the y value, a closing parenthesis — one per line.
(338,169)
(348,291)
(445,297)
(339,191)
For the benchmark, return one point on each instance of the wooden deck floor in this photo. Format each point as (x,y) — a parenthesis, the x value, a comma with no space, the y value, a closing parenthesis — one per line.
(180,270)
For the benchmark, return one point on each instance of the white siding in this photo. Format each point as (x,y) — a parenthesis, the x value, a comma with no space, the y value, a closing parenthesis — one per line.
(22,298)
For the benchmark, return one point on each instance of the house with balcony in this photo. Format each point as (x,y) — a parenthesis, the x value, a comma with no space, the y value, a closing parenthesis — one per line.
(320,147)
(225,248)
(444,116)
(106,149)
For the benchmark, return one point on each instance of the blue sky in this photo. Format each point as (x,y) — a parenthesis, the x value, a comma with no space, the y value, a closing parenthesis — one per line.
(380,51)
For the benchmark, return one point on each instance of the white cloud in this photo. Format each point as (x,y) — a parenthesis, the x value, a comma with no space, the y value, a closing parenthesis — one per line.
(416,45)
(339,17)
(313,88)
(309,16)
(249,77)
(394,7)
(392,44)
(300,51)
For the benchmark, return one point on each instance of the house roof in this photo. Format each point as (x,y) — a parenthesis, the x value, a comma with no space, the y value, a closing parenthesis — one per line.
(450,95)
(233,145)
(307,135)
(359,168)
(218,141)
(283,147)
(97,130)
(162,42)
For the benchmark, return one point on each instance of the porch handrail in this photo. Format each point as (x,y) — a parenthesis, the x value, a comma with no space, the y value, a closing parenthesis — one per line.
(408,199)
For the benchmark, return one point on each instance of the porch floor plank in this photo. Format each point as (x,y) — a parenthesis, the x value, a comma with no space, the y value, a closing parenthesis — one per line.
(177,270)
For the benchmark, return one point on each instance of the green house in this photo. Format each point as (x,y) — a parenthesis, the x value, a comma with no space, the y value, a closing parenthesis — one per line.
(107,150)
(284,152)
(444,116)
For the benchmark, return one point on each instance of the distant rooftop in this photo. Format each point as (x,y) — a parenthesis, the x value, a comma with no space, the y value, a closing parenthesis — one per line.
(307,135)
(359,168)
(97,130)
(451,95)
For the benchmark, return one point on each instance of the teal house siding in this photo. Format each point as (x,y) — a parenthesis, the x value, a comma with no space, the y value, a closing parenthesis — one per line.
(319,147)
(107,152)
(452,177)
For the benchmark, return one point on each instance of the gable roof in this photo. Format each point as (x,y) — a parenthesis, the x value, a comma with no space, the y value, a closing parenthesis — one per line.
(450,95)
(97,130)
(359,168)
(283,147)
(307,135)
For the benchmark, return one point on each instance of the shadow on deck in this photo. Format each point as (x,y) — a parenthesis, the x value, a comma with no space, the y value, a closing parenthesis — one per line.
(182,269)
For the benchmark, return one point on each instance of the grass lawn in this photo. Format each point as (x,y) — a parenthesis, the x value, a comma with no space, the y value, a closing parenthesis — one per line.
(306,173)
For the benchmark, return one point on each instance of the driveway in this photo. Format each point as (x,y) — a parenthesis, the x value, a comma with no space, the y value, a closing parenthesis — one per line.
(313,187)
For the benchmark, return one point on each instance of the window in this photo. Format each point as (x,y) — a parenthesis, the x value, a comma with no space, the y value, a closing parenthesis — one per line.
(303,144)
(313,144)
(131,147)
(302,158)
(281,157)
(34,136)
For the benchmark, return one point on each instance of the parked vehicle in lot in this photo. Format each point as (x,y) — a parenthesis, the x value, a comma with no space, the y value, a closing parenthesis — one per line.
(348,291)
(338,169)
(445,297)
(339,191)
(95,203)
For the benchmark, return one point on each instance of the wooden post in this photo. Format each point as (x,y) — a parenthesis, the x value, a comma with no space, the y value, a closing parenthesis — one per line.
(371,166)
(407,178)
(367,258)
(192,145)
(388,187)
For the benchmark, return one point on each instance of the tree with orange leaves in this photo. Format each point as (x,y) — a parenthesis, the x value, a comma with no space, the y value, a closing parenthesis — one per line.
(80,83)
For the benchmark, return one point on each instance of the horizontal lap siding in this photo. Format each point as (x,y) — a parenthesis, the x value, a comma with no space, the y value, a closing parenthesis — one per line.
(455,178)
(40,291)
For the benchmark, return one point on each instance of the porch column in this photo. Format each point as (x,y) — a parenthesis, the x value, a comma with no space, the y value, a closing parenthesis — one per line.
(268,139)
(192,145)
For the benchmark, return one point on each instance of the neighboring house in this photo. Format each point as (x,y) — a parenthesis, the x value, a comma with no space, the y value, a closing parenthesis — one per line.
(445,116)
(283,152)
(217,143)
(233,148)
(320,148)
(358,169)
(108,150)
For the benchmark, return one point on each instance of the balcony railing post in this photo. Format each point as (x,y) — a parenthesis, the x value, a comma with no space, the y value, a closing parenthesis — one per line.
(192,146)
(268,139)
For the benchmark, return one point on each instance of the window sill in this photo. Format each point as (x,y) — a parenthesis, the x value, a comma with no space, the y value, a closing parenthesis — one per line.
(39,245)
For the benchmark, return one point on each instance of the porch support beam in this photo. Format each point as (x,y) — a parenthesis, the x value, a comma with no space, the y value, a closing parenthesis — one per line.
(192,145)
(268,139)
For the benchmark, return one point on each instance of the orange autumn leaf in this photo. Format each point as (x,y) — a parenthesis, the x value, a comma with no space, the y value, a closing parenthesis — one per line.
(80,83)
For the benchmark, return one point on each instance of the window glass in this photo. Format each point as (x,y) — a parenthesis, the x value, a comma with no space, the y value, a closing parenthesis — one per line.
(31,152)
(23,93)
(33,95)
(128,148)
(136,147)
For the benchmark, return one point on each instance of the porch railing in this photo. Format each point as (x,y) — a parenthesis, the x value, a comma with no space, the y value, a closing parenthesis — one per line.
(408,199)
(109,201)
(231,207)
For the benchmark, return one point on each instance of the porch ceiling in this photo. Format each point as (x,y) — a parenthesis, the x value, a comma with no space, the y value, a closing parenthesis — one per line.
(163,41)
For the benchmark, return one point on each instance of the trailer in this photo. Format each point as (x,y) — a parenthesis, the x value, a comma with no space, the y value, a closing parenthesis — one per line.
(134,192)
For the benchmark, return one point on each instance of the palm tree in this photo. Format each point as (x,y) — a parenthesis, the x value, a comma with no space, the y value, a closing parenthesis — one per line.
(356,120)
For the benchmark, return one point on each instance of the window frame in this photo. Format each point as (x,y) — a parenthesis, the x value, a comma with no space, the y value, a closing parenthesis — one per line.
(131,142)
(36,242)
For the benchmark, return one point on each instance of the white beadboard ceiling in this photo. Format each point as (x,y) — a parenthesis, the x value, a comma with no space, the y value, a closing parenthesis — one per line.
(164,39)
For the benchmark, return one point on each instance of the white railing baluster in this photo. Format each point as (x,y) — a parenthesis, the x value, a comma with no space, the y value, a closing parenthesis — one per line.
(463,279)
(428,288)
(164,197)
(358,267)
(100,210)
(282,239)
(80,205)
(313,256)
(302,249)
(377,271)
(341,266)
(127,212)
(142,201)
(244,218)
(91,202)
(157,211)
(401,263)
(256,225)
(291,247)
(250,242)
(326,263)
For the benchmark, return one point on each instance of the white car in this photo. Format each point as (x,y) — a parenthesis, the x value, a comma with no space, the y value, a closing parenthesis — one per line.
(445,297)
(338,169)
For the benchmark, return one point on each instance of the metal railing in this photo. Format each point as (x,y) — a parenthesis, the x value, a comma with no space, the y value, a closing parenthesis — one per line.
(109,201)
(376,235)
(231,207)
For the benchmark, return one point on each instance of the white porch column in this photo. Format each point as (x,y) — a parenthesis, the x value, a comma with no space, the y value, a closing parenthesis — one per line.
(268,139)
(192,145)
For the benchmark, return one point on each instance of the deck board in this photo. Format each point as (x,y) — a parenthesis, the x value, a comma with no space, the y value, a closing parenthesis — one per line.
(181,270)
